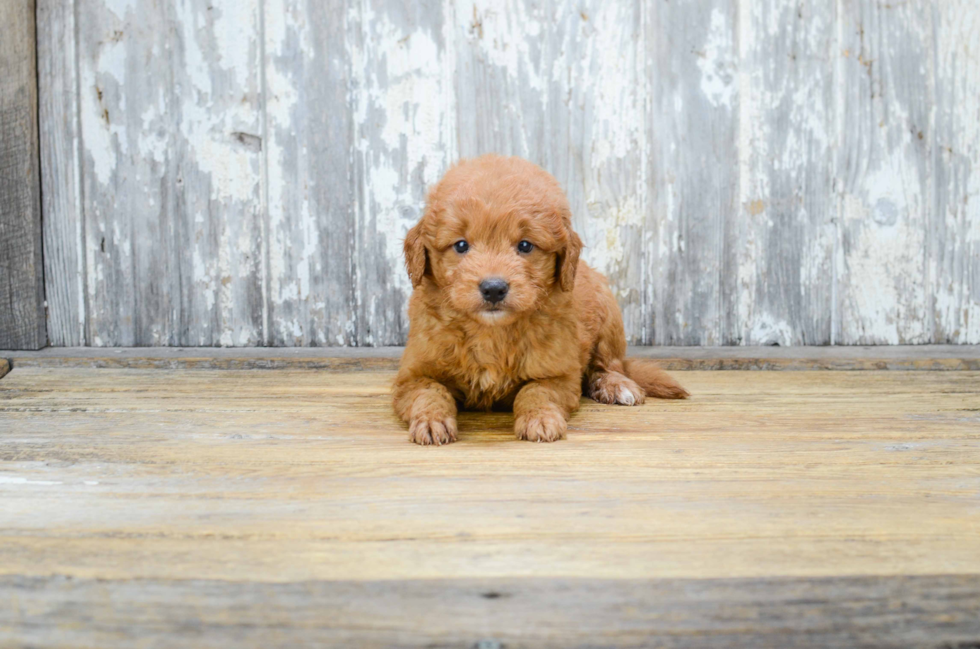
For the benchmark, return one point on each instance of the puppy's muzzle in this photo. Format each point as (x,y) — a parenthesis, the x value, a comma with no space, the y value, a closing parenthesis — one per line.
(494,289)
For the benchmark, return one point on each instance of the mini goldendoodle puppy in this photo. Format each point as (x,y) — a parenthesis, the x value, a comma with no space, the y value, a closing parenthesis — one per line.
(504,314)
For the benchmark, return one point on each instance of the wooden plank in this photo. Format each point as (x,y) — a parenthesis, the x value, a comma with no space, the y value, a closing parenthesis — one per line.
(298,475)
(884,172)
(219,226)
(954,225)
(311,229)
(64,250)
(934,611)
(22,318)
(170,125)
(784,228)
(694,131)
(893,357)
(120,195)
(405,138)
(563,84)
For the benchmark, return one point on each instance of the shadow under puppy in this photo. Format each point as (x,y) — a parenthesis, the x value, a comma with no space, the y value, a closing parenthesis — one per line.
(504,315)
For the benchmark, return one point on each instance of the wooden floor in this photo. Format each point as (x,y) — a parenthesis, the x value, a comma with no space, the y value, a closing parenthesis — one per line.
(266,508)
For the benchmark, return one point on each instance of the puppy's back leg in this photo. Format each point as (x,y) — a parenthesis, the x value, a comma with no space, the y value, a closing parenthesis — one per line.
(605,377)
(612,387)
(611,378)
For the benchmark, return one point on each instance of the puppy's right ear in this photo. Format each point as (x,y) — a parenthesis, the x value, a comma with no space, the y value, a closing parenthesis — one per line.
(415,255)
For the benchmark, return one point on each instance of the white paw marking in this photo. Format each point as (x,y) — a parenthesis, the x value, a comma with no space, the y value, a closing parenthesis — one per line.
(625,397)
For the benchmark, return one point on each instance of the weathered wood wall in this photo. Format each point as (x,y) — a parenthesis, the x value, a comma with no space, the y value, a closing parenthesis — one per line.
(242,172)
(22,319)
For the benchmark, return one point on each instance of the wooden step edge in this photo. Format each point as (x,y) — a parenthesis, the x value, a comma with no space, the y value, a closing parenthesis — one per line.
(925,357)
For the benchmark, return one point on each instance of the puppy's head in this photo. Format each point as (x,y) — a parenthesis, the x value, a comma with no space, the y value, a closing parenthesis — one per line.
(496,239)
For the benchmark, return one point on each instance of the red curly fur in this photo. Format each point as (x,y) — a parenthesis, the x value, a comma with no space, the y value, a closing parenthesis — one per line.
(558,331)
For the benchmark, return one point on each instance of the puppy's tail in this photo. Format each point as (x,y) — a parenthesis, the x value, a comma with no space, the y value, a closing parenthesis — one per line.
(654,380)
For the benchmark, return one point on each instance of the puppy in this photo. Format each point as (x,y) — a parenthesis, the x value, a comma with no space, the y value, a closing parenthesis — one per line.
(503,313)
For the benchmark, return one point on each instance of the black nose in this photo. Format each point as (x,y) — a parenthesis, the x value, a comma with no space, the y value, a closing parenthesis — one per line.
(494,289)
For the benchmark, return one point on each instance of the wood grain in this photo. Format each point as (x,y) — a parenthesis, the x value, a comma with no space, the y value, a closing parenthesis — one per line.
(827,508)
(22,317)
(64,253)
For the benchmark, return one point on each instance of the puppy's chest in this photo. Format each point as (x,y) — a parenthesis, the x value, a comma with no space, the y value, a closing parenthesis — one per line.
(493,374)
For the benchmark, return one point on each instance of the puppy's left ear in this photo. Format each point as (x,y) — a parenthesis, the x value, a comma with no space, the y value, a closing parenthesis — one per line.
(567,262)
(415,255)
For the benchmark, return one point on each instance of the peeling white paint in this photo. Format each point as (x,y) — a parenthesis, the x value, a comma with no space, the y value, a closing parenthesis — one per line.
(600,69)
(717,61)
(886,292)
(121,7)
(103,132)
(956,273)
(281,103)
(769,330)
(506,32)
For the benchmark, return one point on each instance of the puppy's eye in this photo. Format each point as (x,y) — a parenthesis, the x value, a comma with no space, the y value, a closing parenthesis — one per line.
(461,246)
(525,246)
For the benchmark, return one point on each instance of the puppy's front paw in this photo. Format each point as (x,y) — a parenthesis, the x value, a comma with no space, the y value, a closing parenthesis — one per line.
(426,431)
(541,426)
